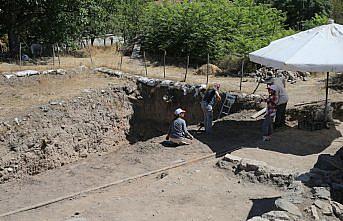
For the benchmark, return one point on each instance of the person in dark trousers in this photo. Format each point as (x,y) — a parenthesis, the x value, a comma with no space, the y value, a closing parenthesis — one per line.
(178,133)
(209,100)
(282,96)
(267,125)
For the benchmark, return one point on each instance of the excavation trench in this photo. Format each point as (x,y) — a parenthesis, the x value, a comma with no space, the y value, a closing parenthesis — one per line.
(97,121)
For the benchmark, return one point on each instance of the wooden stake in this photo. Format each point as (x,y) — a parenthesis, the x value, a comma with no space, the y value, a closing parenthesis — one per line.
(53,54)
(90,54)
(121,60)
(20,62)
(146,68)
(58,56)
(186,69)
(208,68)
(242,73)
(164,64)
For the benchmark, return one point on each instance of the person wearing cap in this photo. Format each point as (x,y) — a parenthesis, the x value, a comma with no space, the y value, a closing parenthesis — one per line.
(267,125)
(209,100)
(282,96)
(178,132)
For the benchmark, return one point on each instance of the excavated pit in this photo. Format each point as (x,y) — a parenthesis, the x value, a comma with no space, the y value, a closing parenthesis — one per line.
(98,121)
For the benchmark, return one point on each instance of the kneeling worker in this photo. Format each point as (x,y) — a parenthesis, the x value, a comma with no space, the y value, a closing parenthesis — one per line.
(178,132)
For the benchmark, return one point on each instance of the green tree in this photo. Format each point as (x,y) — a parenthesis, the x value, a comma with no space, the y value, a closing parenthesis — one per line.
(299,11)
(317,20)
(337,11)
(38,20)
(217,27)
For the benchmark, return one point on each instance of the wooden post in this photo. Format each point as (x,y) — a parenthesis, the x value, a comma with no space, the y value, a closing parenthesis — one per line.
(58,56)
(53,54)
(90,54)
(121,60)
(146,68)
(20,62)
(326,97)
(242,73)
(164,63)
(208,68)
(186,69)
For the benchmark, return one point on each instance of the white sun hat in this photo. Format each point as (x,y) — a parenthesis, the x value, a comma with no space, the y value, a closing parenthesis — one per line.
(179,111)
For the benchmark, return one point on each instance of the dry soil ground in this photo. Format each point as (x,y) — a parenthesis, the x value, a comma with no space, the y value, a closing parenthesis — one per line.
(198,191)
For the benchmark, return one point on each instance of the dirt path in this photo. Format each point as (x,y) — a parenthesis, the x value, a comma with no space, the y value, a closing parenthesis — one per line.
(196,192)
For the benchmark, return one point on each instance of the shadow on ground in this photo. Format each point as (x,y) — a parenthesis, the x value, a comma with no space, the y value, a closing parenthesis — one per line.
(230,135)
(261,206)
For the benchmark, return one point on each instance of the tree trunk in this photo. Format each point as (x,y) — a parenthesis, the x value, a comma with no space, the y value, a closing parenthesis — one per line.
(92,41)
(13,42)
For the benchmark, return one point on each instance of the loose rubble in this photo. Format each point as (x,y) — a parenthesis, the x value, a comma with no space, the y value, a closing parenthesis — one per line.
(304,198)
(28,73)
(264,73)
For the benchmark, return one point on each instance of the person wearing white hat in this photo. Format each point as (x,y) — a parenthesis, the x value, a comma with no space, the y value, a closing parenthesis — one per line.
(178,132)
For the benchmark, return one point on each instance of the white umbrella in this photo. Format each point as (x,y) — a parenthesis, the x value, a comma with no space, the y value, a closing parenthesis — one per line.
(316,50)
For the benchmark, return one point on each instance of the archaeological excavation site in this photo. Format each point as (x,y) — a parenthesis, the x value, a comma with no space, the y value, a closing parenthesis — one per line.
(90,144)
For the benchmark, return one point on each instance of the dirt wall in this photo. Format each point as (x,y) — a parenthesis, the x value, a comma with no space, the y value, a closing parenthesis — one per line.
(62,132)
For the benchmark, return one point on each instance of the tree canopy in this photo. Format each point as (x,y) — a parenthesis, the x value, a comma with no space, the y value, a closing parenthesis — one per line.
(218,27)
(300,11)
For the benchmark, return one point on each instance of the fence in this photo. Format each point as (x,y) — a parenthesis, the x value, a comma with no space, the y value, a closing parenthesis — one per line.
(149,63)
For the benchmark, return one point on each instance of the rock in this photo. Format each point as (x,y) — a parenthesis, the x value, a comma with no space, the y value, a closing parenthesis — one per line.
(8,76)
(287,206)
(26,73)
(61,72)
(337,210)
(276,215)
(314,213)
(296,186)
(84,155)
(257,218)
(44,108)
(223,164)
(321,193)
(162,175)
(251,165)
(10,169)
(232,158)
(294,197)
(325,207)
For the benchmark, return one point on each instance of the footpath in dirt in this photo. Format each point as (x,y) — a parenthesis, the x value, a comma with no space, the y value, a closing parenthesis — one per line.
(198,191)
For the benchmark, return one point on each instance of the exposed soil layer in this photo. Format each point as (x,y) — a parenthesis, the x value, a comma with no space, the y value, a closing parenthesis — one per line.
(64,131)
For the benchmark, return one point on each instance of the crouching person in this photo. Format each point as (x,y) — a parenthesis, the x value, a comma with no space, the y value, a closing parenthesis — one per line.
(178,132)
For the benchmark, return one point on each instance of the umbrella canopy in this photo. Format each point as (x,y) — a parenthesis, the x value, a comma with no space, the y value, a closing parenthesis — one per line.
(316,50)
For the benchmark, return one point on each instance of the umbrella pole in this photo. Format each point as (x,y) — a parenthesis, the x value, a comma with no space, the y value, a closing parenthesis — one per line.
(326,97)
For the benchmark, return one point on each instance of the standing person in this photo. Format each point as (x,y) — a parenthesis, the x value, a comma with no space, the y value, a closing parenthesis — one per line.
(280,83)
(209,100)
(178,132)
(267,125)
